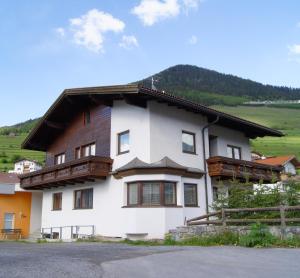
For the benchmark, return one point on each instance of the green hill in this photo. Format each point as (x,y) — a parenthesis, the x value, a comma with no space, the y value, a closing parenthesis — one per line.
(211,87)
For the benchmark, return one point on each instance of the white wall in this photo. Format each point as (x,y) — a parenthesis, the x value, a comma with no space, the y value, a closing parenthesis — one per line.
(36,212)
(109,215)
(289,168)
(136,120)
(228,136)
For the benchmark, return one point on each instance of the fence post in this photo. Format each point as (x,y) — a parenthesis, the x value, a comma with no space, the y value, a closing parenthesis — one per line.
(60,232)
(223,215)
(282,221)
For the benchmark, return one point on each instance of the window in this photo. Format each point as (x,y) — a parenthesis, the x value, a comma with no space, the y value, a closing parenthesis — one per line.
(215,193)
(123,142)
(60,158)
(87,117)
(188,142)
(83,199)
(234,152)
(190,195)
(57,201)
(154,193)
(9,219)
(78,153)
(88,150)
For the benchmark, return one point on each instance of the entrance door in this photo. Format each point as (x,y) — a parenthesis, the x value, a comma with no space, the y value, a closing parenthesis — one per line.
(9,220)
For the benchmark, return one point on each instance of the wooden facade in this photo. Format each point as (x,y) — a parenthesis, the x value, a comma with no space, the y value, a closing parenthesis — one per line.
(228,168)
(78,134)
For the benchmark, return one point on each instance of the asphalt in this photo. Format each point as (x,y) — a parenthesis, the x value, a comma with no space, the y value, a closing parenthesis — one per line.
(113,260)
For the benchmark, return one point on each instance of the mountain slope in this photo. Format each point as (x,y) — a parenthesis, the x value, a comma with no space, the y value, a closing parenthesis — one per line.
(211,87)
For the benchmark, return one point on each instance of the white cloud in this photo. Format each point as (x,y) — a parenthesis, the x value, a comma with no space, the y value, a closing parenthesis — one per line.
(193,40)
(129,42)
(89,29)
(294,49)
(60,31)
(152,11)
(191,4)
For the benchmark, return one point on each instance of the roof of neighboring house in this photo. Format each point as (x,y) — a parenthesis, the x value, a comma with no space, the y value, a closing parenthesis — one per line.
(8,178)
(162,166)
(279,160)
(73,100)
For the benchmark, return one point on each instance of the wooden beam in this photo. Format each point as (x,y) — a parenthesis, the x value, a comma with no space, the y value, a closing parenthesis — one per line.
(55,125)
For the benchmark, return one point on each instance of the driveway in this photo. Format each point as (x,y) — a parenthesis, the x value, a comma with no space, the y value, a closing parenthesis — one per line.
(119,260)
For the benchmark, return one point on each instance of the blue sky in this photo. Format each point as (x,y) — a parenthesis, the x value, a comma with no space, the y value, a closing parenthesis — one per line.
(47,46)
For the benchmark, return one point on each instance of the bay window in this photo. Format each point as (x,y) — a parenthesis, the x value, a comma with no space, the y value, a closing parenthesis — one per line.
(151,193)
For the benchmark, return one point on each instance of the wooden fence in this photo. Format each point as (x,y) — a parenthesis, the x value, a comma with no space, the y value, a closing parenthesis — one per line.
(225,217)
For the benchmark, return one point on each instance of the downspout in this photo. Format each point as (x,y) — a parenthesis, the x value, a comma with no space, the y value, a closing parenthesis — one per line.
(204,158)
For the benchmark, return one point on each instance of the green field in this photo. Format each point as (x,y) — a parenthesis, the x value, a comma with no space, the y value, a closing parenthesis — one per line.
(10,149)
(285,119)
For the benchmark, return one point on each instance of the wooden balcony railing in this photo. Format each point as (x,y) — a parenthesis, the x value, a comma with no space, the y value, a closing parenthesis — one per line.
(225,167)
(76,171)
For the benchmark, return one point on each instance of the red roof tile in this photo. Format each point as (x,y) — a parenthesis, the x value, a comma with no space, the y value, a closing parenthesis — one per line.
(279,160)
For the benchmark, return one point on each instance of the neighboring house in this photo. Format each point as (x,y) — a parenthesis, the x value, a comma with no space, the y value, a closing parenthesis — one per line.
(127,161)
(256,156)
(289,163)
(26,166)
(19,209)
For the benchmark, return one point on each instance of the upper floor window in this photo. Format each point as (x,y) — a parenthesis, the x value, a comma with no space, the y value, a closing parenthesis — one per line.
(89,150)
(190,195)
(60,158)
(188,142)
(123,142)
(83,199)
(56,201)
(234,152)
(87,117)
(151,194)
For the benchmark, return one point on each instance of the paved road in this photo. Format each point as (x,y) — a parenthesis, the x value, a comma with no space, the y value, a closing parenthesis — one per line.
(74,260)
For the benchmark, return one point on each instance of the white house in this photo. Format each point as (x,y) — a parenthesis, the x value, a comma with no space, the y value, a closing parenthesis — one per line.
(131,162)
(25,166)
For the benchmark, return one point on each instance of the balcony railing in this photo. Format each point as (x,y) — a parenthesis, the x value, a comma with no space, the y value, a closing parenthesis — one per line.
(224,167)
(76,171)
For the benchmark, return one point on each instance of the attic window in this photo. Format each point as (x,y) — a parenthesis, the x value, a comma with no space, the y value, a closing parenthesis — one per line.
(87,117)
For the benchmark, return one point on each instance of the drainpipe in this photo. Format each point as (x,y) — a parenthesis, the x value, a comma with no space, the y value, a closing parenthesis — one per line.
(204,158)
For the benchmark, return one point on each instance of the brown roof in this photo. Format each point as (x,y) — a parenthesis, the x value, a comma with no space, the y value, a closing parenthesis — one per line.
(6,178)
(72,100)
(279,160)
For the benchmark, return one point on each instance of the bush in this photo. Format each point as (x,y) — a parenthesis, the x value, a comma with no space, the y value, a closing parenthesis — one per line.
(259,236)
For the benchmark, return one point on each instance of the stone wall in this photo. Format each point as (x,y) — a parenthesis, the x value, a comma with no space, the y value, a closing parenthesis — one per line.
(191,231)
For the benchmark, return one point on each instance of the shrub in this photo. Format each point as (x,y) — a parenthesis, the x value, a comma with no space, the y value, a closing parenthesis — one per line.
(259,236)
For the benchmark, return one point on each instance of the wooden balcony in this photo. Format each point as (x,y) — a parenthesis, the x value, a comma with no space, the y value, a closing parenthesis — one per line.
(76,171)
(228,168)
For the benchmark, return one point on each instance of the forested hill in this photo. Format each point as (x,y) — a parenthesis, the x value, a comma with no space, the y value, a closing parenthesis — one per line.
(211,87)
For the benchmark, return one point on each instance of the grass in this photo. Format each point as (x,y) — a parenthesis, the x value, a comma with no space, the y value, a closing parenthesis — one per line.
(10,147)
(286,120)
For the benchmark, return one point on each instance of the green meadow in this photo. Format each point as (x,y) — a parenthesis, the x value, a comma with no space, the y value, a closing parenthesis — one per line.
(10,150)
(284,119)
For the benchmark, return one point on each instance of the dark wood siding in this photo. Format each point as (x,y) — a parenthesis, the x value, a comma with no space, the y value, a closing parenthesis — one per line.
(77,134)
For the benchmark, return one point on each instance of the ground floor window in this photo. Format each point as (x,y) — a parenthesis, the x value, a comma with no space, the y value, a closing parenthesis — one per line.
(190,195)
(57,201)
(215,193)
(151,193)
(9,219)
(83,199)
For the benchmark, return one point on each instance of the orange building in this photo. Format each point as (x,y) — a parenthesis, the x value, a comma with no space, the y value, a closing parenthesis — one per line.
(20,213)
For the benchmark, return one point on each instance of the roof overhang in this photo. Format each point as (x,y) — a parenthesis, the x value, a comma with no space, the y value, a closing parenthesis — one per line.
(71,101)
